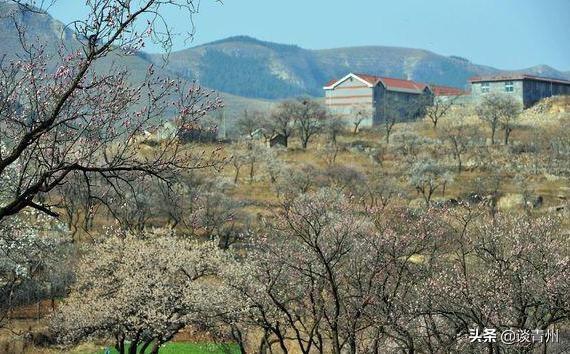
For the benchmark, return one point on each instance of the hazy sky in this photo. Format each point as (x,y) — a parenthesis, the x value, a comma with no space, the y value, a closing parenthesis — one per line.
(508,34)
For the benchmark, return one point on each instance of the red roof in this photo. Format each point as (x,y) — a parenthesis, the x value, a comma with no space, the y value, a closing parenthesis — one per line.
(330,82)
(505,77)
(392,83)
(389,82)
(371,79)
(446,91)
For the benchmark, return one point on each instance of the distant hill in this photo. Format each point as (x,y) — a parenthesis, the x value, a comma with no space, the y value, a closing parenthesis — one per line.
(38,27)
(249,67)
(41,28)
(242,66)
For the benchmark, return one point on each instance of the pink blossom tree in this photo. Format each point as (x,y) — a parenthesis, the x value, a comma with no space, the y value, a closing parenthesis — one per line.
(507,273)
(81,119)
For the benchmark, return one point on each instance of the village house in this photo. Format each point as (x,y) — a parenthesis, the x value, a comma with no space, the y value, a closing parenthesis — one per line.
(371,98)
(526,89)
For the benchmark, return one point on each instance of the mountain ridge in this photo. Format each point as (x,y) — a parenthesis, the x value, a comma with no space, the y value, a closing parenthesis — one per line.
(244,66)
(274,70)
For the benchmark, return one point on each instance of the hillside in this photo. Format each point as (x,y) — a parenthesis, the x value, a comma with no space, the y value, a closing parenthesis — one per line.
(249,67)
(38,28)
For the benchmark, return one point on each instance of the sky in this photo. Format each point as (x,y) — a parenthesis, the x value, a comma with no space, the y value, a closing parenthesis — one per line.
(507,34)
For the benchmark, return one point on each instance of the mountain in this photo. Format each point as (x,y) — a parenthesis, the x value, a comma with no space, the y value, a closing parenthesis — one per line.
(249,67)
(36,27)
(42,28)
(248,72)
(546,71)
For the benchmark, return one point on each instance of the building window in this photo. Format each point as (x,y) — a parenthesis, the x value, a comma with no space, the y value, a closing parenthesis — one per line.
(509,86)
(484,87)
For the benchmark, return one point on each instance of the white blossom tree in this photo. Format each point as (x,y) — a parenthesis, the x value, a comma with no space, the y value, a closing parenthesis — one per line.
(427,176)
(139,290)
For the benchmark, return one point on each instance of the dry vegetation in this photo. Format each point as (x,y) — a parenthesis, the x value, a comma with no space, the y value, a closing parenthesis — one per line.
(528,176)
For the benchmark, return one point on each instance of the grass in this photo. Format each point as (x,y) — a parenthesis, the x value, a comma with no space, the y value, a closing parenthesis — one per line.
(191,348)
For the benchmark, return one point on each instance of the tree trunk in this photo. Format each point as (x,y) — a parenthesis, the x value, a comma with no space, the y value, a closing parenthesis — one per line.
(133,347)
(134,344)
(352,343)
(263,345)
(281,340)
(427,198)
(145,346)
(155,348)
(251,172)
(459,163)
(120,345)
(238,337)
(335,340)
(507,135)
(236,176)
(493,131)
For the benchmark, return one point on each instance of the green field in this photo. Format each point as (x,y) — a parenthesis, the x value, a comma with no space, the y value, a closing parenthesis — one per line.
(192,348)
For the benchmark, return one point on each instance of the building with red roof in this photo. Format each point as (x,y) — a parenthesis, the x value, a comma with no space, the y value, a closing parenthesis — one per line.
(371,99)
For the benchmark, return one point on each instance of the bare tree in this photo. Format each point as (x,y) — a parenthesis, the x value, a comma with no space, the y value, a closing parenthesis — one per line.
(330,280)
(79,208)
(358,114)
(282,120)
(250,122)
(498,109)
(378,191)
(297,287)
(394,109)
(250,154)
(508,119)
(238,160)
(344,178)
(298,180)
(329,153)
(309,117)
(438,109)
(334,126)
(388,122)
(460,136)
(412,145)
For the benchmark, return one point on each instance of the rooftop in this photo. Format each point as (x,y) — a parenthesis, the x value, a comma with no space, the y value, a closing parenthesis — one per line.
(390,83)
(401,85)
(515,77)
(447,91)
